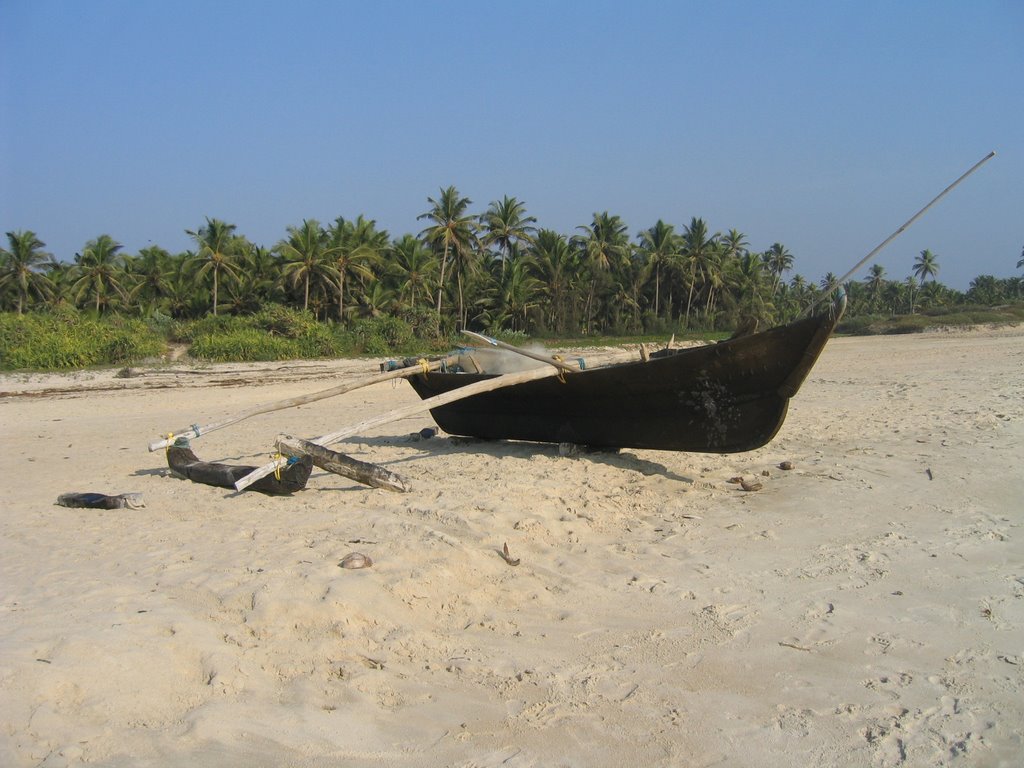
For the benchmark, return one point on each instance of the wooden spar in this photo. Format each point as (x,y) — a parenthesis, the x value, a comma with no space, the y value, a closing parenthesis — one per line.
(195,431)
(828,290)
(525,352)
(340,464)
(461,393)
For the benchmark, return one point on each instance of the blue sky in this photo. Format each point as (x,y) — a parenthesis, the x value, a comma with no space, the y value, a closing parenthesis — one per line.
(823,126)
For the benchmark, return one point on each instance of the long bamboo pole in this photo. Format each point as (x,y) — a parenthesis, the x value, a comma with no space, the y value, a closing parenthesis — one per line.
(898,232)
(461,393)
(195,430)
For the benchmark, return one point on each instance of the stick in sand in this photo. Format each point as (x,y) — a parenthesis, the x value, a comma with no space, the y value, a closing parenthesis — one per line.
(461,393)
(194,430)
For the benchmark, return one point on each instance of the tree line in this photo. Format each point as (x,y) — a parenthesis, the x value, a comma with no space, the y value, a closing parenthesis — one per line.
(493,271)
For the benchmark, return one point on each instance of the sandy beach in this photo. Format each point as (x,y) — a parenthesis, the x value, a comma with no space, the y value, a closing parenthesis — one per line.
(865,608)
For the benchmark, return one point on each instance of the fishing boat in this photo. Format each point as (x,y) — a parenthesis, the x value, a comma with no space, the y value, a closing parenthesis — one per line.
(725,397)
(728,397)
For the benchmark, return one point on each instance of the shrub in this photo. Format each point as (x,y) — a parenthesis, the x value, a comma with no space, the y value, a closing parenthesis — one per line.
(242,345)
(654,325)
(515,338)
(274,333)
(160,324)
(861,325)
(189,330)
(321,341)
(133,340)
(908,324)
(285,321)
(383,336)
(66,340)
(425,323)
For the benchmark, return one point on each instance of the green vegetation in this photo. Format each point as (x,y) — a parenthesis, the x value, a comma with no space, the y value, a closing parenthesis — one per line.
(862,325)
(350,288)
(66,340)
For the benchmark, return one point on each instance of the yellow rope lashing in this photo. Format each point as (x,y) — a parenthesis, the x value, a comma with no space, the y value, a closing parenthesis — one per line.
(561,371)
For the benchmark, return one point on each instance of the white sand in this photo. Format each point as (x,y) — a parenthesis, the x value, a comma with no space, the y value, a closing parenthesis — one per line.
(857,611)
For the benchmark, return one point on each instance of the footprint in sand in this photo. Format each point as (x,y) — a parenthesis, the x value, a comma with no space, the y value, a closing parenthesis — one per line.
(889,685)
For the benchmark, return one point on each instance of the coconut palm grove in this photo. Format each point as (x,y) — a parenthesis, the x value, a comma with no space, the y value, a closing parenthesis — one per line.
(348,287)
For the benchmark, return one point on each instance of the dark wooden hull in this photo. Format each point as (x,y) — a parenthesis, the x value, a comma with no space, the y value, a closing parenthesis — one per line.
(719,398)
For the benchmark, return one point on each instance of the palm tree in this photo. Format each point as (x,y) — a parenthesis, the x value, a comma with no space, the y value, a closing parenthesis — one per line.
(378,300)
(358,246)
(605,247)
(875,282)
(911,287)
(635,273)
(799,292)
(660,246)
(150,272)
(183,297)
(984,289)
(452,229)
(934,294)
(778,260)
(554,264)
(926,265)
(892,294)
(516,294)
(732,246)
(413,267)
(747,279)
(241,297)
(260,279)
(504,225)
(99,270)
(306,254)
(60,275)
(219,251)
(19,267)
(697,248)
(714,277)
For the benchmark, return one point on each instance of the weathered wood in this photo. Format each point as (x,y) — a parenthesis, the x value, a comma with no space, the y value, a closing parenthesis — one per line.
(194,431)
(184,462)
(461,393)
(340,464)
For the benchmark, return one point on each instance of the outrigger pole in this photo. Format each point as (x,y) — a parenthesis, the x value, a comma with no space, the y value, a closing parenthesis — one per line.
(835,283)
(461,393)
(195,430)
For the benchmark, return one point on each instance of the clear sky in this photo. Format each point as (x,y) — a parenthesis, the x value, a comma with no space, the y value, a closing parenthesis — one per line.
(820,125)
